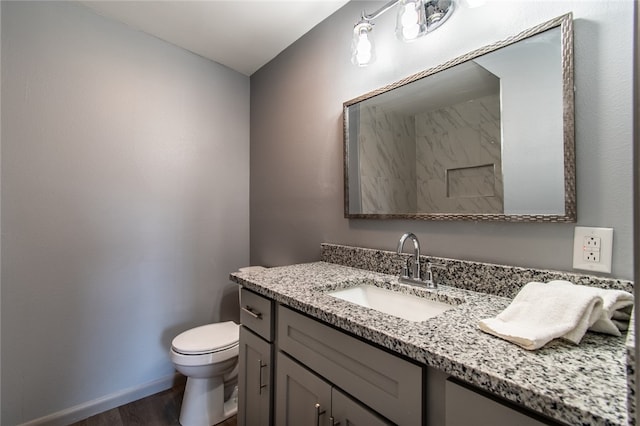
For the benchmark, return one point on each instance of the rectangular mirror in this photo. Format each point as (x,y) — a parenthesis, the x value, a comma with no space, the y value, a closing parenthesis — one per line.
(486,136)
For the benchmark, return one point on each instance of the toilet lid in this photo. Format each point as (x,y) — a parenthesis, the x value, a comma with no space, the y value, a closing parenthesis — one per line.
(207,338)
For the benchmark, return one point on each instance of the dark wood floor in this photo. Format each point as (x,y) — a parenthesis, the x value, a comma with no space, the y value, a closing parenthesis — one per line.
(161,409)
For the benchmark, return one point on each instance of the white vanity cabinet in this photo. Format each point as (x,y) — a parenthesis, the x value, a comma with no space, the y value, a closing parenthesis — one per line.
(255,374)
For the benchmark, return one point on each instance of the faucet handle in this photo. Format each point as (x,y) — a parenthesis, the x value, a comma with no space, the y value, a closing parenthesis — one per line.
(430,265)
(405,268)
(436,265)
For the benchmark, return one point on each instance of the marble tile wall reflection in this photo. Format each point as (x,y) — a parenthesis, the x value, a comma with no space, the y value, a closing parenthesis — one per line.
(464,140)
(442,161)
(387,147)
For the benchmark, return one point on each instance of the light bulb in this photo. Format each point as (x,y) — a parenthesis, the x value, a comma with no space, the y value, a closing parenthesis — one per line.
(410,27)
(411,22)
(409,15)
(362,49)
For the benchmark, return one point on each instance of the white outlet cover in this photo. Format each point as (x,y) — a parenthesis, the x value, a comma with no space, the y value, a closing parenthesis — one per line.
(606,248)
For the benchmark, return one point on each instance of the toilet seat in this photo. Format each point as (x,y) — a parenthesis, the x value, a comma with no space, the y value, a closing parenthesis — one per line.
(207,339)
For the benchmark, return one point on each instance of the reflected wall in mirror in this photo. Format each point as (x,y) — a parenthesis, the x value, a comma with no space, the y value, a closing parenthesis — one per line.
(487,136)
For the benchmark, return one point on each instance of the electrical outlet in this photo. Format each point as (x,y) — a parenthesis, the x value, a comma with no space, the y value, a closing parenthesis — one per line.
(592,241)
(591,256)
(592,248)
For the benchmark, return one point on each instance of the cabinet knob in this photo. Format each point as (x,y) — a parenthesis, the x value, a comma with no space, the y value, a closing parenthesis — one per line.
(318,414)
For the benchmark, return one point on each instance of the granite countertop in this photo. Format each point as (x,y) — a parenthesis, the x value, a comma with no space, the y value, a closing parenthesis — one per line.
(574,384)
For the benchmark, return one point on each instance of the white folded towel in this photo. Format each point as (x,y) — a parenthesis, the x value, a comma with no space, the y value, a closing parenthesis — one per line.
(616,306)
(559,309)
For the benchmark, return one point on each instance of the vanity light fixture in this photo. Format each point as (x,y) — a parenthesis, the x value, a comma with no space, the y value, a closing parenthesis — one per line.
(415,18)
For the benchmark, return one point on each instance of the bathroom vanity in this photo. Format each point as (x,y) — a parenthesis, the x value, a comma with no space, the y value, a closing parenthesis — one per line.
(310,358)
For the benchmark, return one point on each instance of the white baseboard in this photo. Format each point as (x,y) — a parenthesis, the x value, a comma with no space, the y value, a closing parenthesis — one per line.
(99,405)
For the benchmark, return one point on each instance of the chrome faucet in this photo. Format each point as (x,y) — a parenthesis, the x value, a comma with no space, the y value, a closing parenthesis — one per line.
(415,274)
(412,275)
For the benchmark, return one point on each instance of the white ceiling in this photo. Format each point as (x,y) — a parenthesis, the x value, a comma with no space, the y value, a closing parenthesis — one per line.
(241,34)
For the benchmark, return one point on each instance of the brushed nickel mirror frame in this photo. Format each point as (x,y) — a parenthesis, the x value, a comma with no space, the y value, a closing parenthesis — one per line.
(565,22)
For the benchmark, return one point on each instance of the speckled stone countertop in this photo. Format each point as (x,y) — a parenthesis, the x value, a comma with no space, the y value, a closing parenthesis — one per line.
(583,384)
(631,373)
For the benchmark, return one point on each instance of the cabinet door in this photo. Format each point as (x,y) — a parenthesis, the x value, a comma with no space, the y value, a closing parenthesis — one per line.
(347,412)
(255,394)
(302,398)
(390,385)
(466,407)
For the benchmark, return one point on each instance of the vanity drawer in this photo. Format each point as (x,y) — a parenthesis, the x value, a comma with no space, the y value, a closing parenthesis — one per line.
(388,384)
(256,313)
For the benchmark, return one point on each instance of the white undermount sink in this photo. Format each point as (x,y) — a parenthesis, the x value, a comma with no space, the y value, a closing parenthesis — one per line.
(407,306)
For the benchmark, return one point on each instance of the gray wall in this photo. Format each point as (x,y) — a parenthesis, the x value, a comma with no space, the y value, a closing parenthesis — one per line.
(125,186)
(296,143)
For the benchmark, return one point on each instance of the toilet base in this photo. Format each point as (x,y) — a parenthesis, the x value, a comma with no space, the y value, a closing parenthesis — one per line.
(203,403)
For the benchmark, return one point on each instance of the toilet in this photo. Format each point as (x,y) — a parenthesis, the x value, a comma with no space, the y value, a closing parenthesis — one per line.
(208,357)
